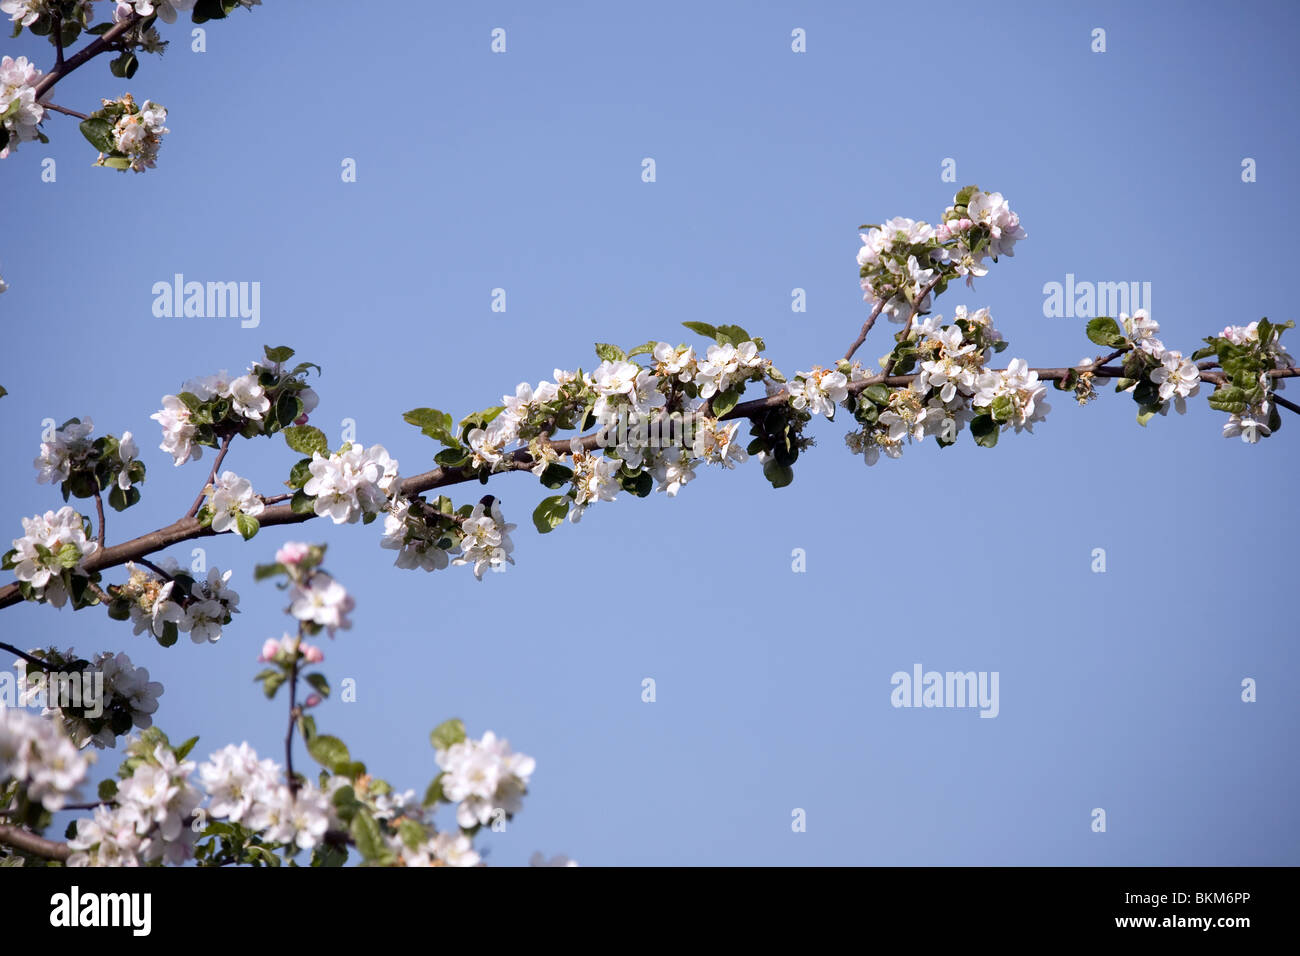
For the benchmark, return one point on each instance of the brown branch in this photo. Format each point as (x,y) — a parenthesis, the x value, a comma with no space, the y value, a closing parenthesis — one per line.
(29,842)
(294,713)
(889,366)
(212,475)
(1292,406)
(188,529)
(99,45)
(99,511)
(25,656)
(866,327)
(65,110)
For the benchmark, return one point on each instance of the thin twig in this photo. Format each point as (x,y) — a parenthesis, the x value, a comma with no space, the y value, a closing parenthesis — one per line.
(1289,405)
(65,111)
(889,365)
(866,327)
(88,52)
(99,511)
(212,476)
(25,656)
(293,714)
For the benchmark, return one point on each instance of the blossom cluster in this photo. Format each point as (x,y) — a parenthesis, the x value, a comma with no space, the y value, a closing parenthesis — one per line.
(353,483)
(252,792)
(150,818)
(483,776)
(20,113)
(175,602)
(900,261)
(43,761)
(49,558)
(99,711)
(84,468)
(1250,353)
(266,399)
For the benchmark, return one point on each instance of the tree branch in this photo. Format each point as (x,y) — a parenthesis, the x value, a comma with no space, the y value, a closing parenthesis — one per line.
(212,475)
(29,842)
(188,528)
(100,44)
(866,327)
(25,656)
(99,511)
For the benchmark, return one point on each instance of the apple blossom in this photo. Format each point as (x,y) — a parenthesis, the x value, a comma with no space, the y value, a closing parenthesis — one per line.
(322,602)
(230,497)
(352,483)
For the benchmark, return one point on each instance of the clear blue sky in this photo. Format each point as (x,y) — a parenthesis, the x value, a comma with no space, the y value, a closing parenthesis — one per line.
(523,171)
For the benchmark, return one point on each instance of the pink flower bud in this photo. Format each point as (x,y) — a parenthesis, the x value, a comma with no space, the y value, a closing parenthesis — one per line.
(292,552)
(301,419)
(312,701)
(269,650)
(312,654)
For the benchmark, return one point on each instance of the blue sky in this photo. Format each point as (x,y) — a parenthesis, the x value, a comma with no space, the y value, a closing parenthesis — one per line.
(522,171)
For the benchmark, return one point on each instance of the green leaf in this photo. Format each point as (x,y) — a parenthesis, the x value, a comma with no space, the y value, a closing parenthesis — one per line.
(550,512)
(1147,393)
(184,749)
(299,474)
(307,440)
(263,571)
(246,525)
(1146,413)
(99,132)
(984,430)
(124,65)
(319,682)
(556,475)
(108,789)
(640,484)
(451,457)
(434,793)
(478,420)
(367,835)
(433,423)
(778,474)
(1105,331)
(278,355)
(1003,408)
(1230,399)
(645,349)
(879,394)
(733,334)
(610,353)
(1204,353)
(287,408)
(271,684)
(302,503)
(120,500)
(703,328)
(447,734)
(328,751)
(724,402)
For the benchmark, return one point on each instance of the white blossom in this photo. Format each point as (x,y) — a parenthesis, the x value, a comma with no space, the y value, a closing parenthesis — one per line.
(230,497)
(322,601)
(352,482)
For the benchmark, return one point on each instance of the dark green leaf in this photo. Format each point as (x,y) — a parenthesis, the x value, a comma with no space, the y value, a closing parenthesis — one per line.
(550,512)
